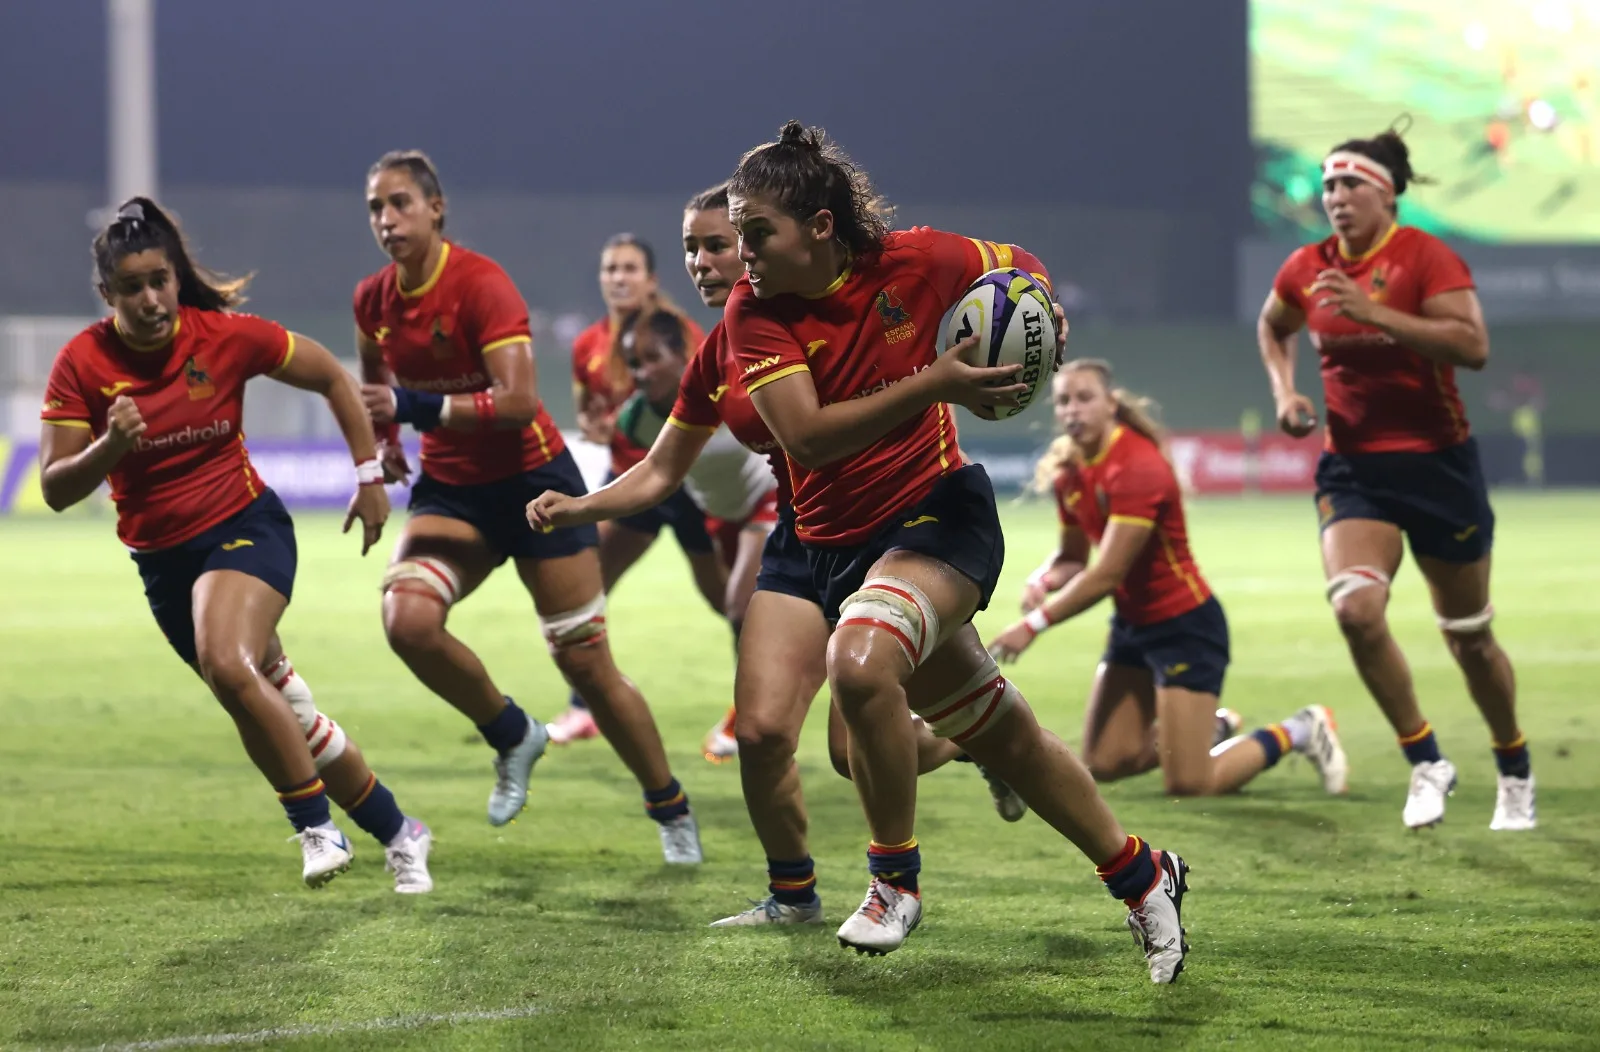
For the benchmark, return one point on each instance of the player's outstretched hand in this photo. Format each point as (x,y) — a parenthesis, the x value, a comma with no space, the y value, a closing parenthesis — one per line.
(1297,415)
(956,382)
(124,425)
(393,458)
(371,506)
(551,511)
(1013,641)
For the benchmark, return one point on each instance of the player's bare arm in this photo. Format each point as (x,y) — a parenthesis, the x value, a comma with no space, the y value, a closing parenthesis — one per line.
(641,487)
(1059,567)
(72,463)
(1450,330)
(1277,332)
(1119,550)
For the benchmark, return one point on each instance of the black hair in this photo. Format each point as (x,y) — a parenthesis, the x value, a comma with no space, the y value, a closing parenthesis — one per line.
(420,167)
(1389,150)
(805,173)
(668,326)
(141,225)
(619,240)
(712,199)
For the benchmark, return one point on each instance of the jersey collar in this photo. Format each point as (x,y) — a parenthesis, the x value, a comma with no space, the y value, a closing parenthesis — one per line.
(177,323)
(433,279)
(1105,450)
(1377,246)
(838,283)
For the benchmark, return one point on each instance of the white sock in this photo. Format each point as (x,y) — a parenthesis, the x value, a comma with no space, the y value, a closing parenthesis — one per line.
(1299,730)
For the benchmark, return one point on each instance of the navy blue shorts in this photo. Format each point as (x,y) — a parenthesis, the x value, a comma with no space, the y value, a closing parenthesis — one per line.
(1188,651)
(258,541)
(678,511)
(498,510)
(784,568)
(1439,500)
(957,523)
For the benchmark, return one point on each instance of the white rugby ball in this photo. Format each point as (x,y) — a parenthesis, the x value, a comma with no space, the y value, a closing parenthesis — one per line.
(1012,315)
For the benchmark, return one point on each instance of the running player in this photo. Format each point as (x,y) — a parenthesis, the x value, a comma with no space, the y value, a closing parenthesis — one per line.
(1392,313)
(1154,700)
(601,384)
(784,642)
(152,399)
(901,535)
(445,347)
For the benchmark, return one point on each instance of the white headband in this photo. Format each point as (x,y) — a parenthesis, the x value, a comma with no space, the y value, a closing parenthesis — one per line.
(1347,163)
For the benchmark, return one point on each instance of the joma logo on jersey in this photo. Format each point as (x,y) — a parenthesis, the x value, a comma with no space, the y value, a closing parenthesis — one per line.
(716,396)
(381,335)
(897,323)
(189,436)
(765,363)
(198,379)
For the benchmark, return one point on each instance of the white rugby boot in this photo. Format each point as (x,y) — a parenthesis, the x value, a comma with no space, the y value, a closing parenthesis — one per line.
(407,858)
(1322,747)
(1514,808)
(720,744)
(326,853)
(1431,782)
(1007,803)
(1156,920)
(510,793)
(770,911)
(680,841)
(885,917)
(1229,724)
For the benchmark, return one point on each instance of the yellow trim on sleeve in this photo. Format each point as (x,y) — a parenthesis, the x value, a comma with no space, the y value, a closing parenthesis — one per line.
(1043,279)
(67,423)
(288,353)
(675,422)
(984,255)
(1131,520)
(495,345)
(433,279)
(1002,255)
(779,375)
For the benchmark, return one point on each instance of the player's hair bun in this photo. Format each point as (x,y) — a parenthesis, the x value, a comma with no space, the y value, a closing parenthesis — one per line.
(796,134)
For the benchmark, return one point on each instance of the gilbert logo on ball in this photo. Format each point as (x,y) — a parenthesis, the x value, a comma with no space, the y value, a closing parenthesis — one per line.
(1010,312)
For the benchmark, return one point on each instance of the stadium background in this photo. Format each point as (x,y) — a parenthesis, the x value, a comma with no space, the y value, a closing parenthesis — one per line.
(1135,147)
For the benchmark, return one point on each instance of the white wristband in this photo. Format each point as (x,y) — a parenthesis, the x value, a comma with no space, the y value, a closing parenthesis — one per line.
(444,411)
(1037,620)
(369,472)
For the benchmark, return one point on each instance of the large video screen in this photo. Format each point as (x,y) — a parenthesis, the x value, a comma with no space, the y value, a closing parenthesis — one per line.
(1503,96)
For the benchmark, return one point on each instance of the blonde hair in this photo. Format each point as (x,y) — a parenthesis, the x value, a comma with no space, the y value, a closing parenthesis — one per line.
(1133,411)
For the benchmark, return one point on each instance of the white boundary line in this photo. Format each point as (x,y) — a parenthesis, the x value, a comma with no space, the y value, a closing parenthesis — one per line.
(277,1033)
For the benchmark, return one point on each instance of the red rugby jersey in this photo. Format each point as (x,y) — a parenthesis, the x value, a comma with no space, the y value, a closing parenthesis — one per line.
(190,470)
(876,326)
(711,394)
(434,339)
(1130,481)
(593,373)
(1381,396)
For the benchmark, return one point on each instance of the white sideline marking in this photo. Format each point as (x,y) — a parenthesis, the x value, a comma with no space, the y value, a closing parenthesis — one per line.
(253,1037)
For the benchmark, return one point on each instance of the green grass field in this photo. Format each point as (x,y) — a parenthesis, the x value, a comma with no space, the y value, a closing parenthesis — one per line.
(147,893)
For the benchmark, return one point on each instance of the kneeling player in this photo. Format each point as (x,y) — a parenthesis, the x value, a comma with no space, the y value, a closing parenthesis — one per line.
(1155,695)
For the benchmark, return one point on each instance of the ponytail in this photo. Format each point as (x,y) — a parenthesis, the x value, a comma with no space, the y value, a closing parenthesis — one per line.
(1135,412)
(140,226)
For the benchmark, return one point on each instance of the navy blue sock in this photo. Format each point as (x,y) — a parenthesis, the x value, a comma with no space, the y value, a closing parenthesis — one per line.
(1131,873)
(897,865)
(375,811)
(1421,747)
(506,731)
(306,804)
(666,803)
(1513,760)
(1274,742)
(792,883)
(575,700)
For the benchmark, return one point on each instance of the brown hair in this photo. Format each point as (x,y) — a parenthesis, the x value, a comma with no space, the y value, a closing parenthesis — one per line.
(805,173)
(1133,411)
(668,325)
(141,225)
(619,376)
(420,167)
(1390,150)
(711,199)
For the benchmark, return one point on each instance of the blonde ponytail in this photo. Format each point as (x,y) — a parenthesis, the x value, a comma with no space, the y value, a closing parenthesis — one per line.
(1135,412)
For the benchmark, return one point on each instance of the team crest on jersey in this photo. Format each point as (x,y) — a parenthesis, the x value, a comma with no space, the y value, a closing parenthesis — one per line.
(1379,283)
(198,379)
(443,329)
(897,323)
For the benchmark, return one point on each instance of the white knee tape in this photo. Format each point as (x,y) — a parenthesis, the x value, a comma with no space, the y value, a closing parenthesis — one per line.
(898,607)
(583,627)
(1478,622)
(436,577)
(973,707)
(325,738)
(1348,582)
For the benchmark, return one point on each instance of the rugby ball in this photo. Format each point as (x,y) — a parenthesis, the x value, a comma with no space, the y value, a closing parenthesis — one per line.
(1011,313)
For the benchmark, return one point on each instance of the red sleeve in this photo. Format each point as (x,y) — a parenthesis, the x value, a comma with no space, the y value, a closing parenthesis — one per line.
(493,313)
(1064,512)
(1440,269)
(63,396)
(1289,279)
(361,307)
(1137,487)
(266,345)
(764,348)
(700,388)
(962,260)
